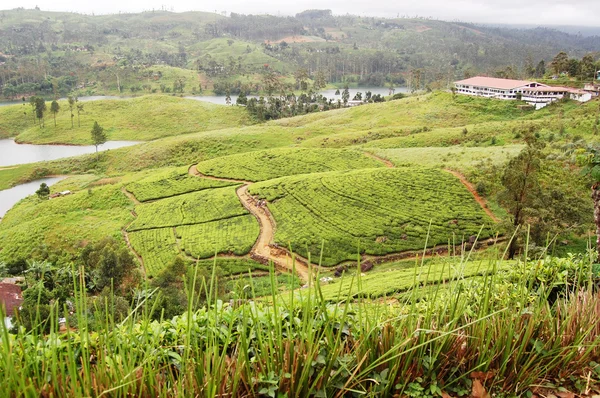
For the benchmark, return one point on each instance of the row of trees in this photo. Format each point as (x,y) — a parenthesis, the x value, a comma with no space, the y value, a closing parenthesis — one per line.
(288,105)
(583,69)
(39,109)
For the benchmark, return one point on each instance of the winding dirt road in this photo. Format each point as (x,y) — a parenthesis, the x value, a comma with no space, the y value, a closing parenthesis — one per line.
(262,247)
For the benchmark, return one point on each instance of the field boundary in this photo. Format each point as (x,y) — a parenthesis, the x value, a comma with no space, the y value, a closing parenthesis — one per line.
(387,162)
(476,195)
(128,242)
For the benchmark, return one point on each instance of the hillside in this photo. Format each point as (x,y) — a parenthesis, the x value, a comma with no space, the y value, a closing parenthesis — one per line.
(302,169)
(138,119)
(353,251)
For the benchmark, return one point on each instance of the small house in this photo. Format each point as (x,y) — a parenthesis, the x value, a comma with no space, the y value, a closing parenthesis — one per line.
(10,299)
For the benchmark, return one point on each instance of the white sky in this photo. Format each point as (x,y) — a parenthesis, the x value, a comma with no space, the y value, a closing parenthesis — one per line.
(530,12)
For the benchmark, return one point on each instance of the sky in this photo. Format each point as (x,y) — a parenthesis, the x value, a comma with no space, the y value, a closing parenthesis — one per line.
(530,12)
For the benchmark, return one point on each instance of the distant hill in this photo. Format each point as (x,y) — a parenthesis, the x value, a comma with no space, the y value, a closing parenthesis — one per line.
(55,53)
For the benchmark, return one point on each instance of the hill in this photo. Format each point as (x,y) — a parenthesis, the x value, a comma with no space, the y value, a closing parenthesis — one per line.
(202,53)
(138,119)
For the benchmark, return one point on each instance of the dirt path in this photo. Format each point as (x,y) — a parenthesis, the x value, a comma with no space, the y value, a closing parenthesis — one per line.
(8,168)
(130,196)
(384,161)
(281,258)
(473,191)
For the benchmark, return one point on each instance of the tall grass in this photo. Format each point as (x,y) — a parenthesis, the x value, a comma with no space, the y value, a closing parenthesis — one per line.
(541,331)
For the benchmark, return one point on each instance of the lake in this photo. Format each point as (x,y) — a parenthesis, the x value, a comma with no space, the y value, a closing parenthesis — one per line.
(12,153)
(9,197)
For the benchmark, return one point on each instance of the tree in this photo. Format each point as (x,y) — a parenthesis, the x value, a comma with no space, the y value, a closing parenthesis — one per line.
(242,99)
(108,263)
(560,63)
(521,186)
(43,192)
(40,109)
(79,111)
(345,95)
(587,66)
(320,81)
(540,69)
(98,136)
(54,108)
(72,100)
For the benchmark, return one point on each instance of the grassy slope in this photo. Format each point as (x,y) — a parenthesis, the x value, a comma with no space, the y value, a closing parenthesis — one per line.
(454,157)
(36,228)
(485,118)
(137,119)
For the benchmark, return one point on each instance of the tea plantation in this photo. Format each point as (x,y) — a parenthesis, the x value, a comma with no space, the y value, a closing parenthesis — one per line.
(157,247)
(234,235)
(280,162)
(187,209)
(372,211)
(171,182)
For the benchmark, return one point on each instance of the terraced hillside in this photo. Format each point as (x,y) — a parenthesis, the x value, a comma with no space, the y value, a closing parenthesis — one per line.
(280,162)
(343,201)
(373,211)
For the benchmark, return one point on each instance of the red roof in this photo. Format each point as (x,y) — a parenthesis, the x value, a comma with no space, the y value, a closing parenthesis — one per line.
(492,82)
(10,297)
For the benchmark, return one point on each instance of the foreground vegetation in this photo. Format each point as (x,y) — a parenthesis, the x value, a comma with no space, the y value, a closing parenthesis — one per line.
(529,328)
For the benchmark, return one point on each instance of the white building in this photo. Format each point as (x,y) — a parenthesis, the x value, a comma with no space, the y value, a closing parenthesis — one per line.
(534,93)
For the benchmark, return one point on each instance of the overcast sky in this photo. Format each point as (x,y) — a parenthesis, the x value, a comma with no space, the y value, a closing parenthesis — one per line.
(531,12)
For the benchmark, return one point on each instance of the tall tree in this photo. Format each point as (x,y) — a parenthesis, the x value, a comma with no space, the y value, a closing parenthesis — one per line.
(345,95)
(587,67)
(540,69)
(40,110)
(80,110)
(54,108)
(98,136)
(560,63)
(72,100)
(521,186)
